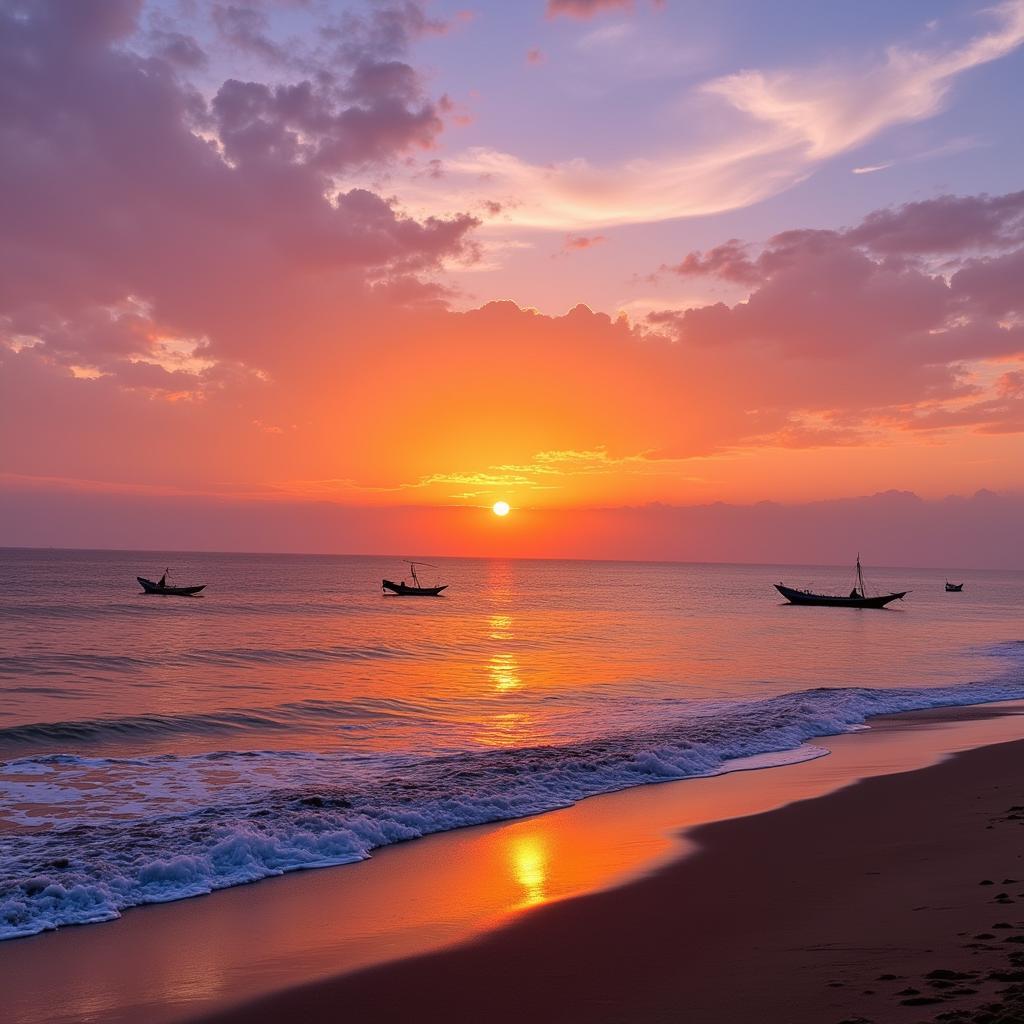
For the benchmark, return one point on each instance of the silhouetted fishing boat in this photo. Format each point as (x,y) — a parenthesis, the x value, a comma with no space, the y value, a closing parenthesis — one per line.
(165,588)
(857,598)
(414,589)
(954,588)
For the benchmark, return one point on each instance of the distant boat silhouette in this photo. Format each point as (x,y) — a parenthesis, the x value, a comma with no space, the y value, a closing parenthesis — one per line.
(414,589)
(163,587)
(857,598)
(954,588)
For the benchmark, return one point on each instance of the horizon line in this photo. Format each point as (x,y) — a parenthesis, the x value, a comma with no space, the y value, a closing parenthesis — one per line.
(490,558)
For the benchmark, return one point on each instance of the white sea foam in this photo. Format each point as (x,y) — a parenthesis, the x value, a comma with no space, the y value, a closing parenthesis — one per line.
(93,836)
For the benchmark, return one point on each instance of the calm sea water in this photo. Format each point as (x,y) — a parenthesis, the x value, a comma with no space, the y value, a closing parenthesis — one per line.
(292,716)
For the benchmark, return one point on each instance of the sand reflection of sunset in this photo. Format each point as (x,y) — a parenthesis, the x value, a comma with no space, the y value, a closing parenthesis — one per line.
(529,859)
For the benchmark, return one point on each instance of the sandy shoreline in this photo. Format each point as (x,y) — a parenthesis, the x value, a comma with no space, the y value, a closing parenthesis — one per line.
(786,894)
(895,899)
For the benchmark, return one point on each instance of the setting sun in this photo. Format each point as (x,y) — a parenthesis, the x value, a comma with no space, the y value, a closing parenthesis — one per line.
(501,508)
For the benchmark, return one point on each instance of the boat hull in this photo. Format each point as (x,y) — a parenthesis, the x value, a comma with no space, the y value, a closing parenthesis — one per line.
(827,600)
(954,588)
(150,587)
(404,590)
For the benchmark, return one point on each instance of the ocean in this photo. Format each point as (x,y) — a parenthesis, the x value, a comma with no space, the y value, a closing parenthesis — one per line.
(293,716)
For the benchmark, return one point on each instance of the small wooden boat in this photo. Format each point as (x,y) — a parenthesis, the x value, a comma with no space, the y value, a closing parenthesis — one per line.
(404,590)
(954,588)
(416,588)
(165,588)
(857,598)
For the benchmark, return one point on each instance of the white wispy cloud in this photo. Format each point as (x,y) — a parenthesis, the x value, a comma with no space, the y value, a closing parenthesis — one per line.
(781,126)
(828,112)
(957,145)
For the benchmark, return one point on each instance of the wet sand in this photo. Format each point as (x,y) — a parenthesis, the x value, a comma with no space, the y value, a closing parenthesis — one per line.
(790,914)
(897,899)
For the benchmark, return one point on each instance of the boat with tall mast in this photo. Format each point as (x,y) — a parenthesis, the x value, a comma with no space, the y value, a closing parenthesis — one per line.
(857,598)
(161,586)
(416,588)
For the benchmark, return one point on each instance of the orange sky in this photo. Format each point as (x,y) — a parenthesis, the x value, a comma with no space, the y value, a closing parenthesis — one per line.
(227,277)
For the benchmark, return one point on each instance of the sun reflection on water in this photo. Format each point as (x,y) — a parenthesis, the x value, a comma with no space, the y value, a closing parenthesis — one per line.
(513,729)
(505,672)
(501,626)
(507,728)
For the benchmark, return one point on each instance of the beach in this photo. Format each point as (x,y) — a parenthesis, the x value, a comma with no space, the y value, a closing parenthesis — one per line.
(892,900)
(773,895)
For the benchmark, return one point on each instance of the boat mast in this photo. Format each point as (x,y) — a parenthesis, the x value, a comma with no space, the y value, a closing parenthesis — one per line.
(412,568)
(860,577)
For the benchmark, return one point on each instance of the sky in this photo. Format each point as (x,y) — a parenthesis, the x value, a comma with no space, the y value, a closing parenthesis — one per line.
(343,274)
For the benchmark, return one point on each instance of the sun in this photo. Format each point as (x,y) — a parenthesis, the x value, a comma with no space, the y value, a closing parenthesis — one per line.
(501,508)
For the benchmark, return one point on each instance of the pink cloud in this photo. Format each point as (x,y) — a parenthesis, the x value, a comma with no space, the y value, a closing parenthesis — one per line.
(729,261)
(178,48)
(992,283)
(577,243)
(588,8)
(978,230)
(944,224)
(127,199)
(376,116)
(860,319)
(248,28)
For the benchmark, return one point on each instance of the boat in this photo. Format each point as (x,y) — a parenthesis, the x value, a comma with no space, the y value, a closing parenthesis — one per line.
(954,588)
(165,588)
(857,598)
(416,588)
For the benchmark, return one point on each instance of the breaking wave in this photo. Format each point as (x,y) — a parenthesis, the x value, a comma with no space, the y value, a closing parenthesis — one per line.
(162,828)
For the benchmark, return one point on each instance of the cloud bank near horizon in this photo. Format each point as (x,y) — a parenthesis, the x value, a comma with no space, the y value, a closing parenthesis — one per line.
(895,528)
